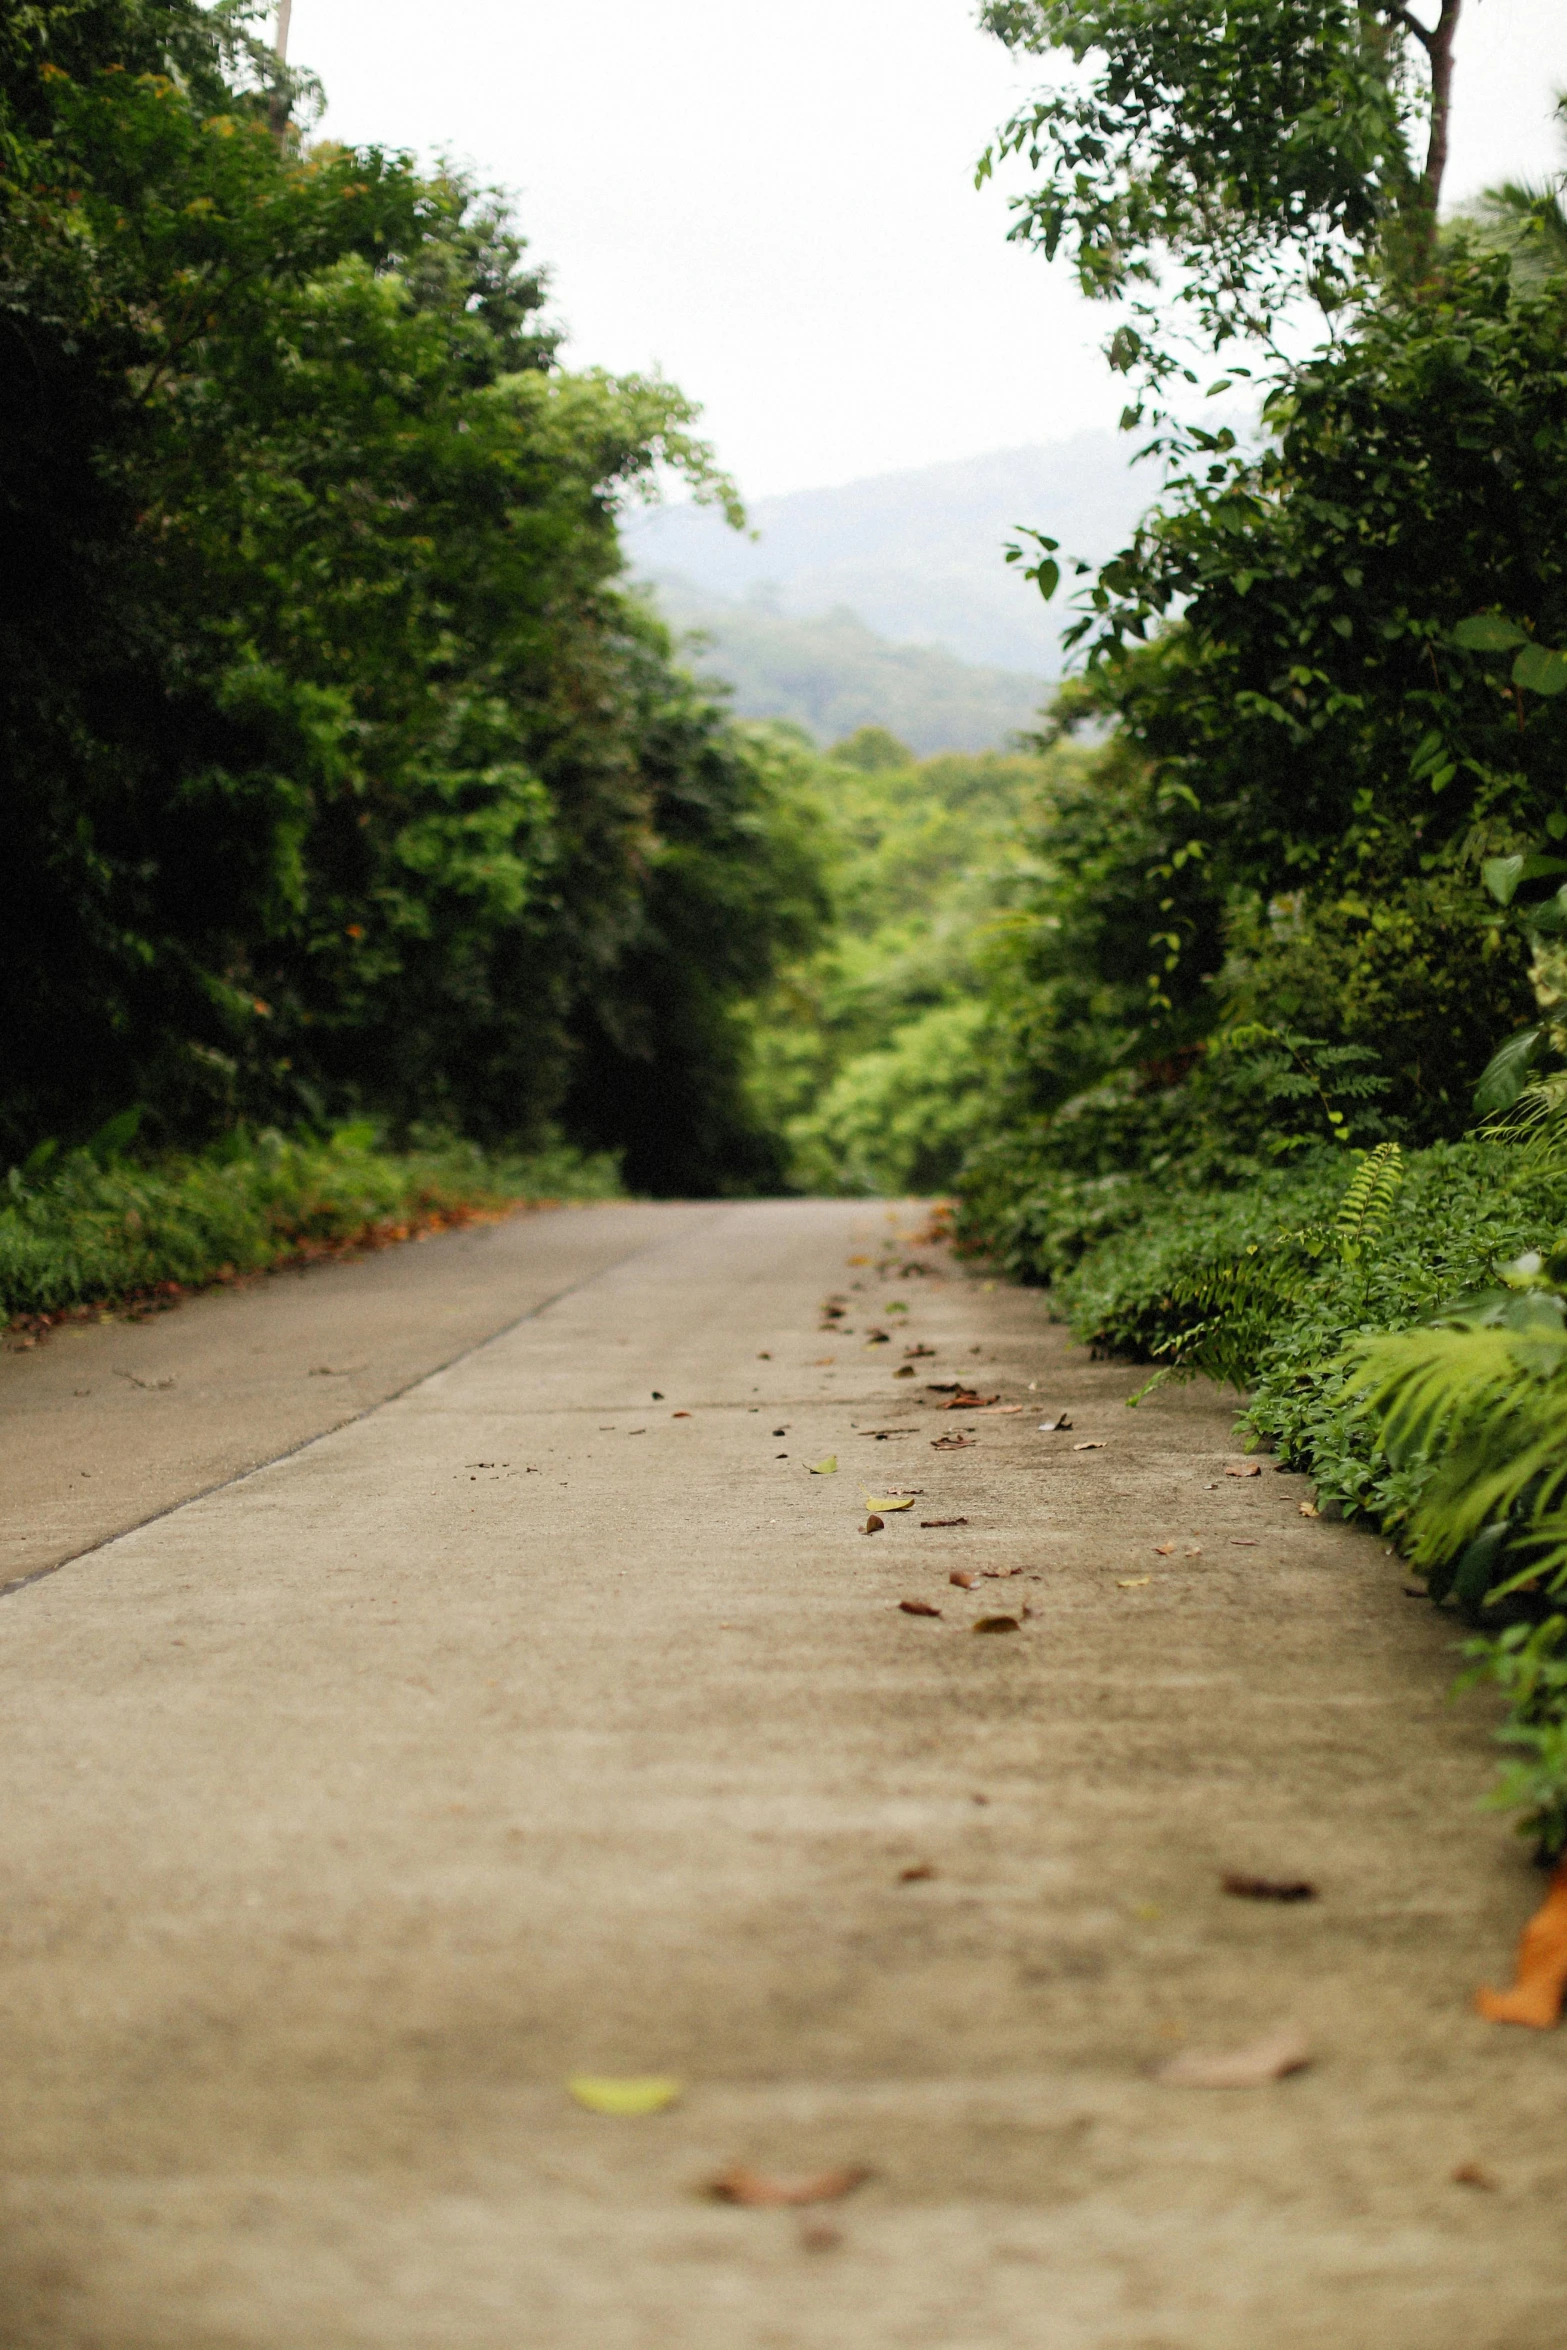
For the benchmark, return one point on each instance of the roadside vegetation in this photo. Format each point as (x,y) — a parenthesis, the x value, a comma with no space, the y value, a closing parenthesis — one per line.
(1272,1028)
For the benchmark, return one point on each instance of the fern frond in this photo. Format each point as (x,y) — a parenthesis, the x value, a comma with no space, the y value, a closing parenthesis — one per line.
(1367,1206)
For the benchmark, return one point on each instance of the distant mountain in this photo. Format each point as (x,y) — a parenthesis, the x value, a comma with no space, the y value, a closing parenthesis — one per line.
(916,556)
(832,674)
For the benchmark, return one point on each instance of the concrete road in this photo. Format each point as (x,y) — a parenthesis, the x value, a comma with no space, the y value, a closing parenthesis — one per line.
(551,1717)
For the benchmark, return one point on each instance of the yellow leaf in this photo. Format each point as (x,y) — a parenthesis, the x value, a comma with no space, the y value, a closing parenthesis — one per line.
(826,1468)
(893,1501)
(647,2093)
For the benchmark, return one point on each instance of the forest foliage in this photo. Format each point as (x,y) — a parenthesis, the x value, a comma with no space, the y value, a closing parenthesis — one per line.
(1274,1040)
(345,777)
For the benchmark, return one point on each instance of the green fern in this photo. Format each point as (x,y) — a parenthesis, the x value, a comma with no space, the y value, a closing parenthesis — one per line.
(1367,1206)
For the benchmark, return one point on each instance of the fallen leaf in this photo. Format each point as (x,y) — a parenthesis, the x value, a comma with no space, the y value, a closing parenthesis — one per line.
(1244,1469)
(857,1260)
(964,1577)
(915,1873)
(1132,1582)
(1243,1542)
(1194,1550)
(881,1434)
(1252,2067)
(891,1501)
(780,1431)
(1308,1509)
(994,1411)
(873,1524)
(997,1624)
(918,1353)
(943,1521)
(1000,1574)
(644,2093)
(918,1607)
(825,1468)
(1475,2174)
(740,2184)
(657,1394)
(966,1400)
(1267,1888)
(952,1443)
(1536,1997)
(824,1362)
(764,1356)
(1163,1550)
(878,1338)
(680,1415)
(1090,1444)
(906,1372)
(942,1386)
(1049,1427)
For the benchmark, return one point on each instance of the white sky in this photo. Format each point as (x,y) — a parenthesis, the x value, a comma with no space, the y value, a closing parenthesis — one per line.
(775,204)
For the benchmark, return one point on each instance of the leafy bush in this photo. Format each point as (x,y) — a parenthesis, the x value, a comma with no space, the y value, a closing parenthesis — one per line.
(91,1226)
(1301,1287)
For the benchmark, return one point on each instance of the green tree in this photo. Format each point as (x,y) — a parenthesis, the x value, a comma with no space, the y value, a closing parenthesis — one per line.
(1256,149)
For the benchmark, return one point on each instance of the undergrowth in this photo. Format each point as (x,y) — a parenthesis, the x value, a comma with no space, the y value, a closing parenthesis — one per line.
(1398,1336)
(95,1227)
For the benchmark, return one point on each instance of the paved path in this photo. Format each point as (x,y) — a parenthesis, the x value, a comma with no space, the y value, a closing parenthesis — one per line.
(520,1726)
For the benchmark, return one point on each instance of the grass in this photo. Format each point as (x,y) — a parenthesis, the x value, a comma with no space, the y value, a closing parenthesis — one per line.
(91,1230)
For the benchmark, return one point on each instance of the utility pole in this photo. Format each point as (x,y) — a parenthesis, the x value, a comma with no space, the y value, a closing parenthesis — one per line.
(279,107)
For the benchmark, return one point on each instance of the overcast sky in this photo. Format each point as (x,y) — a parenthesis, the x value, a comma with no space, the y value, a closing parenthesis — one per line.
(775,204)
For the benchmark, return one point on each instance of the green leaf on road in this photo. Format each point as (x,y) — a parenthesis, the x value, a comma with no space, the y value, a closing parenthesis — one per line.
(826,1468)
(641,2093)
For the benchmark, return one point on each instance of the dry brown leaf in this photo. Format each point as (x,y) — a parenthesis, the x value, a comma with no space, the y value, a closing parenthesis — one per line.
(967,1400)
(1536,1997)
(1267,1888)
(873,1524)
(918,1353)
(952,1443)
(995,1411)
(1000,1574)
(741,2184)
(1055,1426)
(823,1362)
(1308,1509)
(1243,1542)
(905,1372)
(964,1577)
(1194,1550)
(1252,2067)
(1132,1582)
(1244,1469)
(997,1624)
(916,1873)
(942,1386)
(1090,1444)
(680,1415)
(943,1521)
(1163,1550)
(918,1607)
(1475,2174)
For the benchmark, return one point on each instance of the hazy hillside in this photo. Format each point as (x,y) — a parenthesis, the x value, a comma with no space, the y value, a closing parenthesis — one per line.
(917,556)
(833,674)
